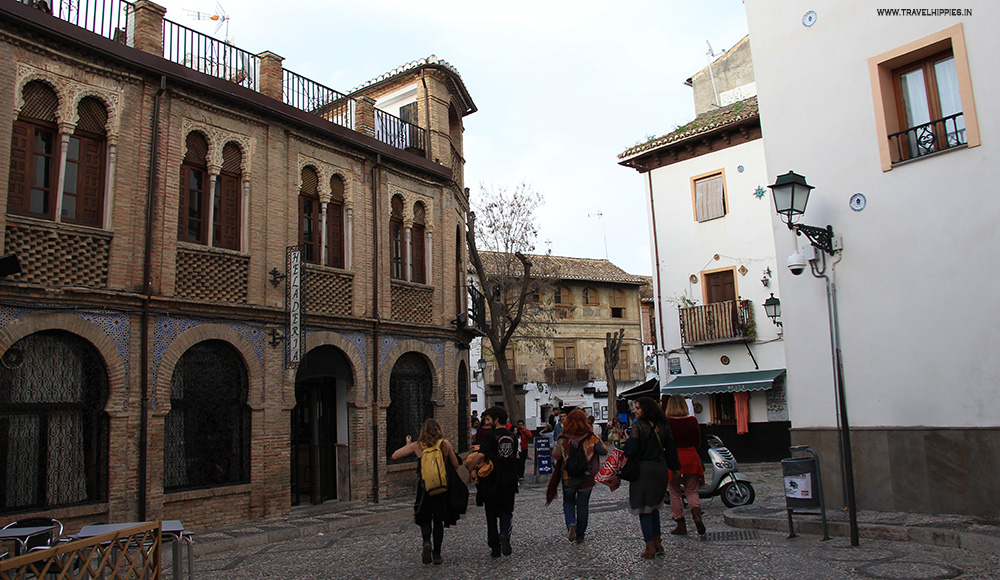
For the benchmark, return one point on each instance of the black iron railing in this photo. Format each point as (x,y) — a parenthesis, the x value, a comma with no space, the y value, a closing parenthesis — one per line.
(928,138)
(309,96)
(209,55)
(719,322)
(394,131)
(477,309)
(109,18)
(564,375)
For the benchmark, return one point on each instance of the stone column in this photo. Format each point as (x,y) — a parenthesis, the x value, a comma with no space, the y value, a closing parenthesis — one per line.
(213,176)
(148,35)
(65,130)
(348,236)
(271,77)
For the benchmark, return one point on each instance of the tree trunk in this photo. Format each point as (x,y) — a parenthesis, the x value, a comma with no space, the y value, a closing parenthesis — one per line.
(612,347)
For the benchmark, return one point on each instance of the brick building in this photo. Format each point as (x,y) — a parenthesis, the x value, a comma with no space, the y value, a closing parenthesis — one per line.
(560,361)
(239,289)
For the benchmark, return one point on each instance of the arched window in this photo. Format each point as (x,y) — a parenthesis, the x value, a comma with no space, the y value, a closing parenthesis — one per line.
(194,198)
(417,262)
(591,297)
(36,154)
(455,129)
(410,388)
(207,432)
(335,223)
(228,198)
(53,429)
(310,235)
(396,238)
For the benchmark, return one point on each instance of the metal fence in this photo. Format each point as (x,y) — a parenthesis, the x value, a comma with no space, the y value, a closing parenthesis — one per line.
(728,321)
(210,55)
(930,137)
(109,18)
(309,96)
(394,131)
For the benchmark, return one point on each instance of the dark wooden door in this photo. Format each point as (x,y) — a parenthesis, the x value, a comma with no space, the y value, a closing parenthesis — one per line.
(721,286)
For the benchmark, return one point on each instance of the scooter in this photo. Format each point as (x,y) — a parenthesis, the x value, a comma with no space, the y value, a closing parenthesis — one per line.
(727,481)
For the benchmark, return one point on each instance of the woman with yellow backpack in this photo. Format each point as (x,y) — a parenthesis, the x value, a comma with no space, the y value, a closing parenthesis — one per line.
(433,510)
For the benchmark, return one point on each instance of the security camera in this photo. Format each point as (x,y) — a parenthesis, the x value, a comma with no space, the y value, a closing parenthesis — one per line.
(797,263)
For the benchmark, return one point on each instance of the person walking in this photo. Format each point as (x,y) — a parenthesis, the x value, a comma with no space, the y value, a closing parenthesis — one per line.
(496,491)
(650,443)
(687,436)
(432,513)
(577,457)
(524,436)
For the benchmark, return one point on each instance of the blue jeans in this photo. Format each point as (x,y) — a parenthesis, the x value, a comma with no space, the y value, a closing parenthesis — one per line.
(576,508)
(650,524)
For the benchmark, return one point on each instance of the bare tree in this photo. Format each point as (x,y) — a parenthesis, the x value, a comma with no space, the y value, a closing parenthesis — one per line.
(504,270)
(612,349)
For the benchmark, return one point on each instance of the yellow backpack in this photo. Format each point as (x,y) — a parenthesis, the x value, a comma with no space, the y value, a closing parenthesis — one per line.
(432,470)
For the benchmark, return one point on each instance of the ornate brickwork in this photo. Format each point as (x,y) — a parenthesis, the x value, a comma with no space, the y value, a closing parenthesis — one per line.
(412,303)
(166,329)
(59,256)
(327,292)
(212,276)
(71,92)
(116,326)
(325,171)
(217,139)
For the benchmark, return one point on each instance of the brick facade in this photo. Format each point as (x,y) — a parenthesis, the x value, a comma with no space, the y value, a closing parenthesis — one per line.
(89,282)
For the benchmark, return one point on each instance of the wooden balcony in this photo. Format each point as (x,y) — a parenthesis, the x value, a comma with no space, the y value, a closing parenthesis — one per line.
(717,323)
(554,375)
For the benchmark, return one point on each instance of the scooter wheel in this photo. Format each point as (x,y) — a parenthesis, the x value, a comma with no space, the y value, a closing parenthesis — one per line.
(737,494)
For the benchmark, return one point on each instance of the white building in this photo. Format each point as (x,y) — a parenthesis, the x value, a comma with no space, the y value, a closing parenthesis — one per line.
(709,211)
(916,297)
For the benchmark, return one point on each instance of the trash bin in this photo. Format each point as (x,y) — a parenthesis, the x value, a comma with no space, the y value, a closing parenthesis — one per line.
(803,486)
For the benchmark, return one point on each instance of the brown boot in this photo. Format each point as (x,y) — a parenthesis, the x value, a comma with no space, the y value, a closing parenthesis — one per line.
(681,529)
(698,524)
(658,545)
(649,553)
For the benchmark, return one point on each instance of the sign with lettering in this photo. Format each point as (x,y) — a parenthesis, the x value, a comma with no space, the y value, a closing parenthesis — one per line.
(543,455)
(295,344)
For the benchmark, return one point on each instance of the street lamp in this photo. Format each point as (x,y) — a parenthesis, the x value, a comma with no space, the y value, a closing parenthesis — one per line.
(772,307)
(791,194)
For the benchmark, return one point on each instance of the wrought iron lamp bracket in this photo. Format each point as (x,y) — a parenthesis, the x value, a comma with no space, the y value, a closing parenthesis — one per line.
(277,276)
(821,238)
(276,337)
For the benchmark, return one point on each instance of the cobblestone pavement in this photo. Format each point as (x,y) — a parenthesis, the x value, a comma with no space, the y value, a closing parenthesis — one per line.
(382,542)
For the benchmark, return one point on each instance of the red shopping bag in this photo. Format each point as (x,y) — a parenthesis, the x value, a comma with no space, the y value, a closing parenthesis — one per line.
(608,475)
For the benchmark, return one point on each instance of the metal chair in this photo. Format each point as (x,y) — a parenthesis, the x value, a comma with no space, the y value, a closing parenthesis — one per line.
(42,540)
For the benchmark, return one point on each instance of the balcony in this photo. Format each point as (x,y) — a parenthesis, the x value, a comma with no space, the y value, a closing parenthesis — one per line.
(118,20)
(717,323)
(557,375)
(928,138)
(493,375)
(630,372)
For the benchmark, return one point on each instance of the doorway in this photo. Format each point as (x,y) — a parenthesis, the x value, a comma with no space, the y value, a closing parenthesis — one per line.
(319,437)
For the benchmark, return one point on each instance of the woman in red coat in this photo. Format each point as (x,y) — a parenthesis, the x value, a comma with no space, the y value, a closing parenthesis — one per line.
(687,436)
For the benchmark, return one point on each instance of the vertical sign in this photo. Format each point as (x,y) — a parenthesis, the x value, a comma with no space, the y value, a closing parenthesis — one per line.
(543,455)
(293,300)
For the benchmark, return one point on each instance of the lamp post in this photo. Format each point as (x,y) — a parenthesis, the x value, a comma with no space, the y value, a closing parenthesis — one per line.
(772,307)
(791,195)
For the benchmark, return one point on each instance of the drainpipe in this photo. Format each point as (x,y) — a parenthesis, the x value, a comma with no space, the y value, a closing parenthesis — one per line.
(376,271)
(147,290)
(656,257)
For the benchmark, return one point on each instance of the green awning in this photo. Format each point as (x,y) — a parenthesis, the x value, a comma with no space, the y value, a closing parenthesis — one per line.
(723,383)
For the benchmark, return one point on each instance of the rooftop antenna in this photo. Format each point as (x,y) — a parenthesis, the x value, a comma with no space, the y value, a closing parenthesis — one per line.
(549,244)
(710,55)
(600,215)
(219,17)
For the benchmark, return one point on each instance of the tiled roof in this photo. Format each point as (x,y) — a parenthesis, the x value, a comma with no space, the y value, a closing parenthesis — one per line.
(703,123)
(565,268)
(646,290)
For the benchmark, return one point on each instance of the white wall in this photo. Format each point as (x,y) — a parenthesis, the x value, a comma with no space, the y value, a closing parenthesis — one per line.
(743,237)
(917,284)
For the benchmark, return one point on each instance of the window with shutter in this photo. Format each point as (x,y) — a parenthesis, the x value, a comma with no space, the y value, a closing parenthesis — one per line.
(396,238)
(194,195)
(335,224)
(310,235)
(419,273)
(709,197)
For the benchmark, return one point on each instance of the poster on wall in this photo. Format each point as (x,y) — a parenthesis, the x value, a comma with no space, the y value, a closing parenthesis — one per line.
(799,486)
(604,412)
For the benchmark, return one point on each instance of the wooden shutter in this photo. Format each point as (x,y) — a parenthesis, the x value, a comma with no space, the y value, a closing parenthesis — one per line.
(19,185)
(709,198)
(417,260)
(227,215)
(91,182)
(335,234)
(182,209)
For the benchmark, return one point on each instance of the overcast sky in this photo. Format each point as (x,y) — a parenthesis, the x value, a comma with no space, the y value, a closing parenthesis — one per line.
(562,87)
